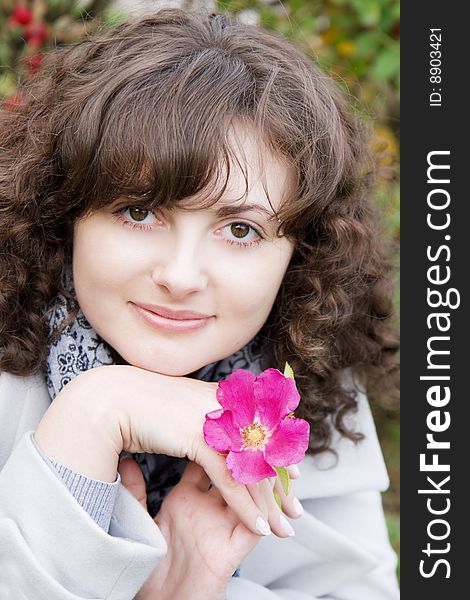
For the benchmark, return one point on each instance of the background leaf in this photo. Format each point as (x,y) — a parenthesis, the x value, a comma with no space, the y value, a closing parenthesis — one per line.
(284,478)
(288,372)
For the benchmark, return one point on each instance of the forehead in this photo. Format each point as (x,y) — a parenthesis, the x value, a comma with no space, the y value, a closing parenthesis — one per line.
(255,175)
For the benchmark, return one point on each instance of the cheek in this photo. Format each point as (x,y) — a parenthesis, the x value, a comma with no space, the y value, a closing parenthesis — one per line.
(100,272)
(90,256)
(251,288)
(100,258)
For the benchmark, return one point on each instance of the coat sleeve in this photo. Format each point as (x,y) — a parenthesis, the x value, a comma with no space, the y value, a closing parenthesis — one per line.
(51,549)
(349,557)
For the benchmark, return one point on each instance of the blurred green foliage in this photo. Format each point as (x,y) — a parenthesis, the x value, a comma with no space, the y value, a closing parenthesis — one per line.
(29,28)
(357,41)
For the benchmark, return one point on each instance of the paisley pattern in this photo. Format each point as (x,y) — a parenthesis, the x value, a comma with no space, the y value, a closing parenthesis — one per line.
(79,348)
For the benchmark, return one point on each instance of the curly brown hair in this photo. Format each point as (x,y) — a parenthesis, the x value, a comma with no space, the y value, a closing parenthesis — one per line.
(142,111)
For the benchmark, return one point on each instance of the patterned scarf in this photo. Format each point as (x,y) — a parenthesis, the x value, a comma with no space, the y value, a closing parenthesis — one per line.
(79,348)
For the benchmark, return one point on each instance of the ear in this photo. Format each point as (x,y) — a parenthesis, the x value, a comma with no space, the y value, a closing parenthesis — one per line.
(133,480)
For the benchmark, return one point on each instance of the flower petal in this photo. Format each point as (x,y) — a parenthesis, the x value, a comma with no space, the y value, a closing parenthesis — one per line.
(221,432)
(236,394)
(215,414)
(288,443)
(249,466)
(276,396)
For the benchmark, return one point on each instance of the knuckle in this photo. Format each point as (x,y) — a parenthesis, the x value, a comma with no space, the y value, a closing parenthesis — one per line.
(228,482)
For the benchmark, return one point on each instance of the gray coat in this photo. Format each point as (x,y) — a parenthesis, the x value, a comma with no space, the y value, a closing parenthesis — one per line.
(50,549)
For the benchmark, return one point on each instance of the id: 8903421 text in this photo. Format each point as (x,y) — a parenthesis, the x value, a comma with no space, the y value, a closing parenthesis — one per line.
(435,67)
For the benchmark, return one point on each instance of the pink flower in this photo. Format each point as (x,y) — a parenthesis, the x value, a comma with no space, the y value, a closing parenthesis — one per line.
(254,425)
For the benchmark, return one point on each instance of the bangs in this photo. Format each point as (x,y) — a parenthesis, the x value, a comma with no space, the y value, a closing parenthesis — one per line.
(148,113)
(162,135)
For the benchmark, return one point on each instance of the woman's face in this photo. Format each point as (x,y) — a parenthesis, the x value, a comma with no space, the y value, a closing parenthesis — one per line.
(174,290)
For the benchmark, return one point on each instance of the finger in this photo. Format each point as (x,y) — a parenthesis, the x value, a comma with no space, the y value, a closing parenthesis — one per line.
(235,494)
(220,499)
(262,493)
(195,474)
(243,540)
(133,480)
(290,504)
(294,472)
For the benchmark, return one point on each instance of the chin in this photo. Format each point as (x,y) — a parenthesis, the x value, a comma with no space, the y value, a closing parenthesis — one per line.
(171,368)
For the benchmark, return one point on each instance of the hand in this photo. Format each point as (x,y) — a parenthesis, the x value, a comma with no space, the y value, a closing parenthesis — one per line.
(109,409)
(206,540)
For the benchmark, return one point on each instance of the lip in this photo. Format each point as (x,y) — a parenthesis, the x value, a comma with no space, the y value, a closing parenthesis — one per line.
(172,320)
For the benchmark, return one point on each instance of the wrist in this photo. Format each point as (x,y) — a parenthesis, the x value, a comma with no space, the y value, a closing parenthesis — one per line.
(195,588)
(163,414)
(81,430)
(205,592)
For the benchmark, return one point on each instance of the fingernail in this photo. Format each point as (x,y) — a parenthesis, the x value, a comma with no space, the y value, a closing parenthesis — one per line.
(286,526)
(298,508)
(262,526)
(294,471)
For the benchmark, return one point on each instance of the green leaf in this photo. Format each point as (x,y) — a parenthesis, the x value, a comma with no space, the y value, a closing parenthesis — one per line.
(284,478)
(113,16)
(368,43)
(7,85)
(277,497)
(55,5)
(288,372)
(387,64)
(5,55)
(368,12)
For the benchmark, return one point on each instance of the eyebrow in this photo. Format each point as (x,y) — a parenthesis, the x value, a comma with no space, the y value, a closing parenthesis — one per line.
(231,209)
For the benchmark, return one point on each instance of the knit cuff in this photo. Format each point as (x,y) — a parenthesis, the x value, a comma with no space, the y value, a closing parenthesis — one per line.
(96,497)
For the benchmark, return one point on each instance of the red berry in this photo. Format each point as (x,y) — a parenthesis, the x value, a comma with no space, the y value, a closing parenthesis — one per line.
(34,63)
(12,102)
(21,15)
(35,34)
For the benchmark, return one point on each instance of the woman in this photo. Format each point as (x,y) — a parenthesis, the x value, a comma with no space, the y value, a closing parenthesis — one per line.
(182,197)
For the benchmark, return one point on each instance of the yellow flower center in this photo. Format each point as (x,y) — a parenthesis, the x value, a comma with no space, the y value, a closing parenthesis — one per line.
(253,435)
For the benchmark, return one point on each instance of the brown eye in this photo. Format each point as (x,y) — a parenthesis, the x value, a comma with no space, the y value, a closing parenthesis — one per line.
(138,214)
(240,230)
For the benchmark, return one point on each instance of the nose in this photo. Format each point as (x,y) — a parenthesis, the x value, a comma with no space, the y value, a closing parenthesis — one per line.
(181,271)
